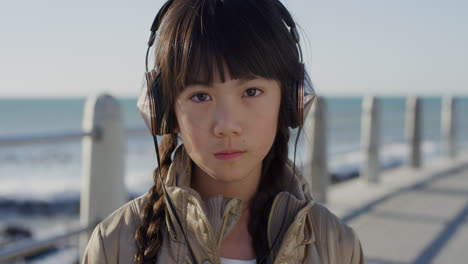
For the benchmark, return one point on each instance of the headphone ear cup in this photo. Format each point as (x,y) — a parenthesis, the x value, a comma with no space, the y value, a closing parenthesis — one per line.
(308,96)
(292,104)
(145,103)
(156,113)
(301,97)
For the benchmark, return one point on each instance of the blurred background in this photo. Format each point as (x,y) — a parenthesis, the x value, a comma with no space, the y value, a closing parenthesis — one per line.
(55,54)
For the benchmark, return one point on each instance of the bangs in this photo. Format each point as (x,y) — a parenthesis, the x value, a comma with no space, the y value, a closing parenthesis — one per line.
(245,38)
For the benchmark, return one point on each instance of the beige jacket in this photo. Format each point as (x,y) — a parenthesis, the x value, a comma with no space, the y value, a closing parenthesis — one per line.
(311,234)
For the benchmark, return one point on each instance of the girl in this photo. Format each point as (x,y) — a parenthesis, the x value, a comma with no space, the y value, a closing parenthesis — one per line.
(228,81)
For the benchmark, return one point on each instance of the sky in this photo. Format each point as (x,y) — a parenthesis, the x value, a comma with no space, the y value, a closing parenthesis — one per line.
(59,48)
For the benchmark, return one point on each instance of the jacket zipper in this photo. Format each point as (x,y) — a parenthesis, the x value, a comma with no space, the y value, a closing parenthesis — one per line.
(223,227)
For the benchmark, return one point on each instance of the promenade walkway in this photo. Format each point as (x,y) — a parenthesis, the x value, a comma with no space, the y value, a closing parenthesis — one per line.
(411,216)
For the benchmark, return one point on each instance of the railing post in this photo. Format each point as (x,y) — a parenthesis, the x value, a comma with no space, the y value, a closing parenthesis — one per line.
(370,137)
(413,130)
(103,189)
(448,127)
(316,170)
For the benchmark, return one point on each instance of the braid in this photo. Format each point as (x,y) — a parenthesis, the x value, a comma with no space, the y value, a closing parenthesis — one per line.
(148,236)
(273,165)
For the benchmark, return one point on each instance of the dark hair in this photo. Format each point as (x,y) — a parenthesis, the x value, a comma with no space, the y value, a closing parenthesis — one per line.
(196,38)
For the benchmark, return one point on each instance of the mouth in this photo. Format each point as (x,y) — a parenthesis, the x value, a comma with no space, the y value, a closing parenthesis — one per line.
(229,155)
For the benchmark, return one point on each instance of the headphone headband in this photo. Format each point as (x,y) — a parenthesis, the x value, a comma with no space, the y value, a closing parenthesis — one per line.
(288,20)
(157,22)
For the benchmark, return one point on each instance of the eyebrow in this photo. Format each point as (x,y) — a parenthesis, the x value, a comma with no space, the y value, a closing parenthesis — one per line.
(240,81)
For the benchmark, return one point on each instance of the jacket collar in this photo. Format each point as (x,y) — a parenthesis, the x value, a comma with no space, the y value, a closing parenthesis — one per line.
(210,221)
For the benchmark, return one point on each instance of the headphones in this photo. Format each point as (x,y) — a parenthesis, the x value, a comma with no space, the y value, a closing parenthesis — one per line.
(150,103)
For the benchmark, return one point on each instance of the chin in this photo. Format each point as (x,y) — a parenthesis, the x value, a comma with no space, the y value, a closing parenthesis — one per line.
(232,176)
(229,172)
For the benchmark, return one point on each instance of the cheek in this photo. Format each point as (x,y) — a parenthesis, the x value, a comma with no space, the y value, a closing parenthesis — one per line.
(189,119)
(191,130)
(265,127)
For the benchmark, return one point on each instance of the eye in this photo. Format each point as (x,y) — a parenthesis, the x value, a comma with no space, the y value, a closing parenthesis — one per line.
(200,97)
(252,92)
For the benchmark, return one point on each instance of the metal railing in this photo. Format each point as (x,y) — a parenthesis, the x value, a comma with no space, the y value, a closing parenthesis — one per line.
(23,249)
(64,136)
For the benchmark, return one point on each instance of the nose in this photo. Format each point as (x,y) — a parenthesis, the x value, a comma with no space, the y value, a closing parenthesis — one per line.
(227,120)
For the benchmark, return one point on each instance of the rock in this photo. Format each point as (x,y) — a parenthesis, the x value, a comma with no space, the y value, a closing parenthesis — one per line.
(12,234)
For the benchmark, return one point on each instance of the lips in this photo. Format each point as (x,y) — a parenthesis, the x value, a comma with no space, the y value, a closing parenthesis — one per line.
(229,154)
(229,151)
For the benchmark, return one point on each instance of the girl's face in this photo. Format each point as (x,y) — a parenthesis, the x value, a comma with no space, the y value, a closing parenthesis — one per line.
(239,115)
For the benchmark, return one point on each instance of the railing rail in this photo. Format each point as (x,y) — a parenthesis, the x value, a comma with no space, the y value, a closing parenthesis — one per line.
(41,138)
(60,136)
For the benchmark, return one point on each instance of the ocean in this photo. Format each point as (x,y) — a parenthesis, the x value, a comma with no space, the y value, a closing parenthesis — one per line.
(42,182)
